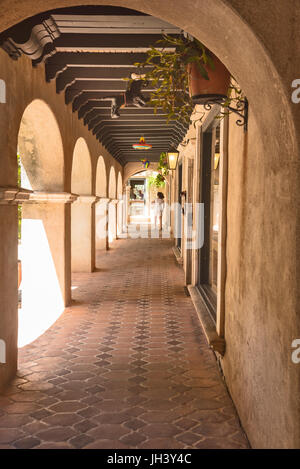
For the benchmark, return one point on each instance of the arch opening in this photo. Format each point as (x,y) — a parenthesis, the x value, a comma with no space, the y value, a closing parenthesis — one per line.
(120,205)
(82,215)
(40,148)
(101,178)
(101,206)
(41,169)
(112,208)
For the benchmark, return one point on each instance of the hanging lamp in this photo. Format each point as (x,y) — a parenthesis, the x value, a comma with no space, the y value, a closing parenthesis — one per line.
(142,145)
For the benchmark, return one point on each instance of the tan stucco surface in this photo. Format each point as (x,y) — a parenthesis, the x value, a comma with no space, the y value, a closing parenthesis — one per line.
(259,43)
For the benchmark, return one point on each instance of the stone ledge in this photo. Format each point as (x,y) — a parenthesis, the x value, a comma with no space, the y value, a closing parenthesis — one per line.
(13,195)
(87,199)
(209,328)
(104,200)
(53,197)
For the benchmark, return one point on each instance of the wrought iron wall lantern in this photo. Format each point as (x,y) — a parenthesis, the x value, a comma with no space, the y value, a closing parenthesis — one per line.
(241,108)
(172,157)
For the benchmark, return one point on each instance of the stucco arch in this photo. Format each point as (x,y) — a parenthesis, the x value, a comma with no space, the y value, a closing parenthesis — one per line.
(40,148)
(82,246)
(119,186)
(135,167)
(81,181)
(112,185)
(101,178)
(228,29)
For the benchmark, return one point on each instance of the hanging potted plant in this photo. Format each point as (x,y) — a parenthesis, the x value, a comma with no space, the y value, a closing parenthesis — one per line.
(162,171)
(183,73)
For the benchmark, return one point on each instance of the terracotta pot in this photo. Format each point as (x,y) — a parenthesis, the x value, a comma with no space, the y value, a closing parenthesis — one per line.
(218,83)
(19,273)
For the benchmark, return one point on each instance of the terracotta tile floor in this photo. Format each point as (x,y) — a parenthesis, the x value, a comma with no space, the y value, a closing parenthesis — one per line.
(126,366)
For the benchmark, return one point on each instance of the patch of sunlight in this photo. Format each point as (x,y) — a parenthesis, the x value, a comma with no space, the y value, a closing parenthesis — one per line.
(25,183)
(42,301)
(112,222)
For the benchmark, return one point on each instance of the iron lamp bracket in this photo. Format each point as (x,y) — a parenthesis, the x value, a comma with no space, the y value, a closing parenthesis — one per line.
(240,108)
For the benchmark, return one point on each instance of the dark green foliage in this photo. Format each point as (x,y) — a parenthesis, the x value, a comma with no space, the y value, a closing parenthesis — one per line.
(169,77)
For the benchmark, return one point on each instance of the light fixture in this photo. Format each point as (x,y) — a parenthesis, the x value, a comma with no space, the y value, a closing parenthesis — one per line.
(142,145)
(172,156)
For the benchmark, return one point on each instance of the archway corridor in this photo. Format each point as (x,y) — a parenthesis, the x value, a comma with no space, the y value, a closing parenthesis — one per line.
(125,366)
(135,337)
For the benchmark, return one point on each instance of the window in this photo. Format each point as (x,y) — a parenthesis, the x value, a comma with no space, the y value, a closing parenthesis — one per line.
(178,219)
(210,196)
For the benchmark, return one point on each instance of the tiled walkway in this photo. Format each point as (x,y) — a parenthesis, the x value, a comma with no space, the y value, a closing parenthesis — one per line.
(126,366)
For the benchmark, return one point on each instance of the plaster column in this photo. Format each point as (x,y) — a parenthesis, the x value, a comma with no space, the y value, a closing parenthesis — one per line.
(112,219)
(119,216)
(9,199)
(101,213)
(46,235)
(83,234)
(127,205)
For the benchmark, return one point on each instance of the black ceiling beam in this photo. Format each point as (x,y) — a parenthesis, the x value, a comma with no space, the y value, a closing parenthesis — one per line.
(89,43)
(128,147)
(159,150)
(61,61)
(107,87)
(140,120)
(86,96)
(119,143)
(135,135)
(102,106)
(132,114)
(153,140)
(133,160)
(138,125)
(128,144)
(103,130)
(138,154)
(105,136)
(71,75)
(136,43)
(21,31)
(137,132)
(112,24)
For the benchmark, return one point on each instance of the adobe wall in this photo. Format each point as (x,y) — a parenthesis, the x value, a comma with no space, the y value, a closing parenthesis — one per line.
(261,309)
(259,43)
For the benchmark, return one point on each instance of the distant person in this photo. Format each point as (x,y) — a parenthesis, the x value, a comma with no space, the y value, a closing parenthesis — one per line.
(132,194)
(158,209)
